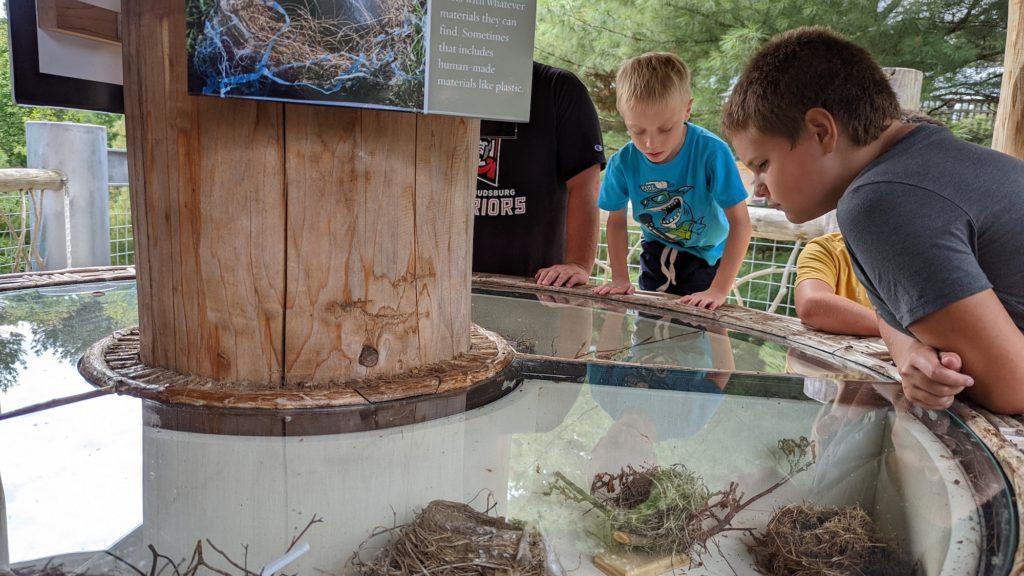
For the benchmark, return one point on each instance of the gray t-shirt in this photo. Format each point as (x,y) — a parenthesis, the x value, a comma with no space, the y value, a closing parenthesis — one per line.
(935,220)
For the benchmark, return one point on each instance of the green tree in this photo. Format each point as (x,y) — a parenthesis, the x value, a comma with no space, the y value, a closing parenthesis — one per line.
(958,45)
(13,116)
(975,128)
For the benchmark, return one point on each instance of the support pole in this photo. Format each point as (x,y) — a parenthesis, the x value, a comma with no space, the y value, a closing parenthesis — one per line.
(280,244)
(1008,135)
(906,82)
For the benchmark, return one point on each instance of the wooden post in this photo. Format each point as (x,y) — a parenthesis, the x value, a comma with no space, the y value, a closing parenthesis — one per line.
(906,82)
(1008,135)
(279,244)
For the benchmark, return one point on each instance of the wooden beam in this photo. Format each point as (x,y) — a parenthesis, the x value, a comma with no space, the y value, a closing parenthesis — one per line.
(1008,136)
(14,179)
(290,244)
(80,19)
(906,82)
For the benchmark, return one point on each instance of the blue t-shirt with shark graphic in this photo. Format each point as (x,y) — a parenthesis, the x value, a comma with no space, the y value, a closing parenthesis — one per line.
(679,203)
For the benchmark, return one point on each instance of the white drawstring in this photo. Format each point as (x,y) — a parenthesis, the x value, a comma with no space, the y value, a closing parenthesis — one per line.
(668,267)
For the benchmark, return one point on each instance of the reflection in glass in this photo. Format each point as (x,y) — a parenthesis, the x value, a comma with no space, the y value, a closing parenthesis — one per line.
(575,328)
(628,388)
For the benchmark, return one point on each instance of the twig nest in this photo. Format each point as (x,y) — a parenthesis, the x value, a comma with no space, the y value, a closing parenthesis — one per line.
(806,539)
(451,539)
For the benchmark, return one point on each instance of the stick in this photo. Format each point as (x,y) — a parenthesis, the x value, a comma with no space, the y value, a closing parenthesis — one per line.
(58,402)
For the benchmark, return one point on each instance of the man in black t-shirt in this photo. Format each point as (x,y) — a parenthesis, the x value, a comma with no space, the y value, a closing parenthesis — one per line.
(537,183)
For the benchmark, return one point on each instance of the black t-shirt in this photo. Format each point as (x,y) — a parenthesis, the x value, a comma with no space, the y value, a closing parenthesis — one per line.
(521,197)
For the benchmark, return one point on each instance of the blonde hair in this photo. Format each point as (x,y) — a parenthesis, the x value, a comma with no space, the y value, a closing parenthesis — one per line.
(651,79)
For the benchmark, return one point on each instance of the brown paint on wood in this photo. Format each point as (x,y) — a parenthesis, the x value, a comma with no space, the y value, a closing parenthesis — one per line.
(208,209)
(1008,135)
(80,19)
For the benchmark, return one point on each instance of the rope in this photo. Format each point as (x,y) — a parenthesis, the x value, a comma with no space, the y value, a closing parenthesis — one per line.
(67,221)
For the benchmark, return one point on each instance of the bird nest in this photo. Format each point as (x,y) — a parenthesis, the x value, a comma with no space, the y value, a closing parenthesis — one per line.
(452,539)
(806,539)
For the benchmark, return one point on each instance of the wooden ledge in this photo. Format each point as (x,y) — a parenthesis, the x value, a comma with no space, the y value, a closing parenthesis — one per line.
(869,353)
(191,403)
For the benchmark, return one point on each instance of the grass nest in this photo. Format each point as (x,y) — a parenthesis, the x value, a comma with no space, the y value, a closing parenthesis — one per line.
(657,509)
(806,539)
(452,539)
(669,509)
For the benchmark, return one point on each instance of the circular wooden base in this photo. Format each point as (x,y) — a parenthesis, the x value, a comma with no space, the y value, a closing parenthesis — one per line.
(190,403)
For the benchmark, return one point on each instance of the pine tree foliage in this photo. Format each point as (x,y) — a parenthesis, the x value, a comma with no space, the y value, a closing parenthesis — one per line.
(958,44)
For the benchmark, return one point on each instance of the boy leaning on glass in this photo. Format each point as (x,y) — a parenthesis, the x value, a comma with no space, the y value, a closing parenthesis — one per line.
(683,185)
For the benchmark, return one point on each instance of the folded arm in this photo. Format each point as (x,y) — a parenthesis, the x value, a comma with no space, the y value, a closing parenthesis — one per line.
(985,345)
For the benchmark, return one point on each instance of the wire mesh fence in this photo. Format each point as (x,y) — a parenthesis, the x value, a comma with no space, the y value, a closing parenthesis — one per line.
(766,276)
(16,216)
(763,273)
(122,243)
(15,232)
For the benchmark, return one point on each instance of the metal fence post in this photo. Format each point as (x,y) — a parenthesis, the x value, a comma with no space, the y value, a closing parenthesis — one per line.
(82,209)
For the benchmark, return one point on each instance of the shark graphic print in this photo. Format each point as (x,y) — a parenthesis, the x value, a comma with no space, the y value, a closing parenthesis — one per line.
(666,213)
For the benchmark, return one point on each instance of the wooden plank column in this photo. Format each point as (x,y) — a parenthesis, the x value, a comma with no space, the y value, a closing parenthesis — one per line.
(284,244)
(1008,136)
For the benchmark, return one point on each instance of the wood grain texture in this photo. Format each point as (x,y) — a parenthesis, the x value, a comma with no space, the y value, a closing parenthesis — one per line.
(291,244)
(207,185)
(351,244)
(80,19)
(14,179)
(379,227)
(1008,135)
(446,162)
(906,82)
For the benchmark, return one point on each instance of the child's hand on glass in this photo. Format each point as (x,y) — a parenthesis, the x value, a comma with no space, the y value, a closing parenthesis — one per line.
(710,298)
(615,287)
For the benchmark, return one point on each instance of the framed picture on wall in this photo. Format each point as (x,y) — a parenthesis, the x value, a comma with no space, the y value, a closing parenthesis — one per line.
(66,53)
(458,57)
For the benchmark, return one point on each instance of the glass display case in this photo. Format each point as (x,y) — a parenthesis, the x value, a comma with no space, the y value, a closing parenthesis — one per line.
(601,389)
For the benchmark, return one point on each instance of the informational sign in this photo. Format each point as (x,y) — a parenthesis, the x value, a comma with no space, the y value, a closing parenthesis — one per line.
(458,57)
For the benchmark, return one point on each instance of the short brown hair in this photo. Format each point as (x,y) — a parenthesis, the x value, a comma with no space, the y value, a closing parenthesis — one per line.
(652,78)
(811,67)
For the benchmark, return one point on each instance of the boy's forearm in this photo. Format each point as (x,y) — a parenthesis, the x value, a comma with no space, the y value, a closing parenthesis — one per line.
(618,244)
(819,307)
(897,342)
(980,331)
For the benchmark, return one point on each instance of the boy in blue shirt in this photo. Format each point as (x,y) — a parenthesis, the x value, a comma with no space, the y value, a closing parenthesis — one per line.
(684,189)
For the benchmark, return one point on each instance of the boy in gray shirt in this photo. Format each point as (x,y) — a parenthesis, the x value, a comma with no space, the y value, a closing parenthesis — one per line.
(932,223)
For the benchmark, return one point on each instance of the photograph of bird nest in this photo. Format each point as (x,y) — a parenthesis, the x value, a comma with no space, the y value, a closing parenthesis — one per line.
(354,52)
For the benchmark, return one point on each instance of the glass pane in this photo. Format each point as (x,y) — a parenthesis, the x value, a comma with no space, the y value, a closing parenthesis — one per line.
(101,475)
(593,329)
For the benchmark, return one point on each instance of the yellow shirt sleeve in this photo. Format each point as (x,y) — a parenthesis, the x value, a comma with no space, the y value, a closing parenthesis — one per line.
(825,258)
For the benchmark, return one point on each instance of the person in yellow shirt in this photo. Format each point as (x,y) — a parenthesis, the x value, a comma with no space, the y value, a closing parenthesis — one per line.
(828,295)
